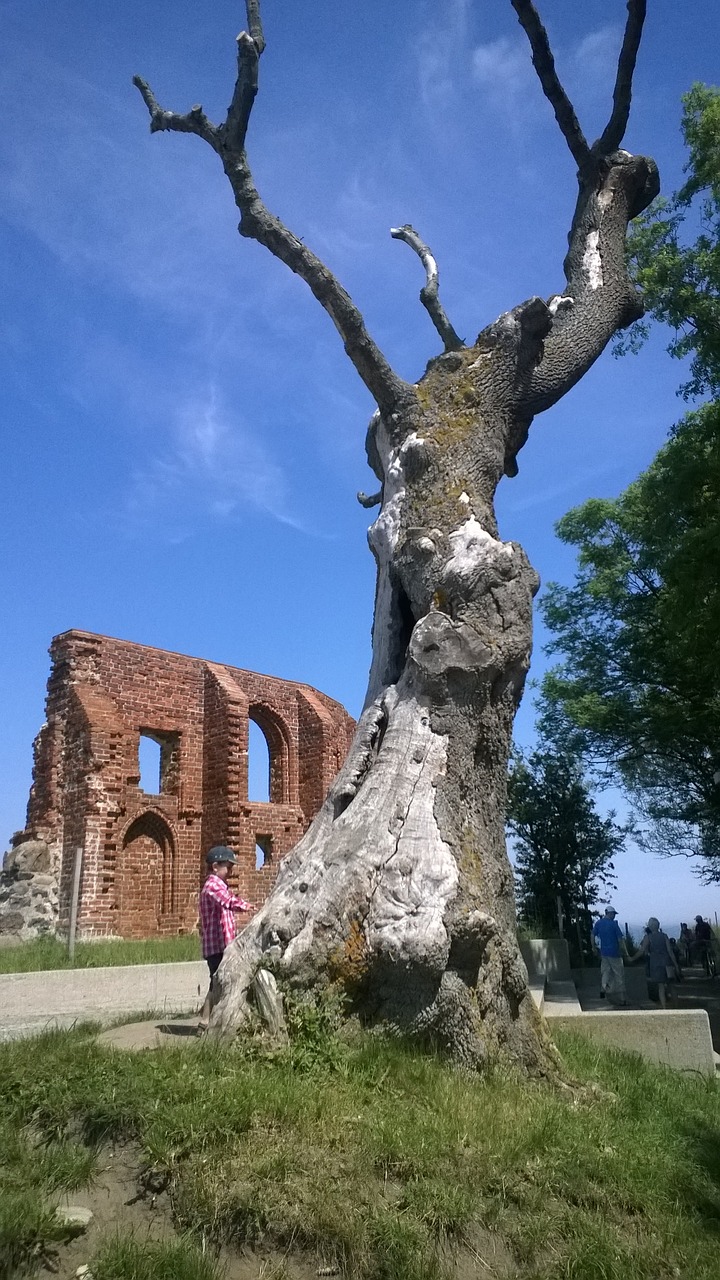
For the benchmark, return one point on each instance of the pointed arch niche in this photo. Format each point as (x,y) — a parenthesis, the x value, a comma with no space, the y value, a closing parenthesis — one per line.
(148,888)
(268,757)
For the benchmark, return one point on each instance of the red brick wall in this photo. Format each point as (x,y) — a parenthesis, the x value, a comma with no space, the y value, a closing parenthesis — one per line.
(143,854)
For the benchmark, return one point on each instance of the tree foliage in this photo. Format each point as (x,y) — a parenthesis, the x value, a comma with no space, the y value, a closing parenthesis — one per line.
(638,689)
(639,635)
(680,278)
(562,847)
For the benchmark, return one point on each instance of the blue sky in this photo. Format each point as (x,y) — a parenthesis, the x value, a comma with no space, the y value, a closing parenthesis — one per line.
(183,435)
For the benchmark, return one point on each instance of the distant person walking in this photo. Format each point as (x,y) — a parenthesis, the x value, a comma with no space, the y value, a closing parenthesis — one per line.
(660,962)
(686,944)
(704,945)
(218,927)
(608,940)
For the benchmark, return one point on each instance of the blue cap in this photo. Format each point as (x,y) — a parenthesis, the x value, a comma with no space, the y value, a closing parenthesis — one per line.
(219,853)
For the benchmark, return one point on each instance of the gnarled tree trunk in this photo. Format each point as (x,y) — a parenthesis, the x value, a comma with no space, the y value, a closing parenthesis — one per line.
(401,891)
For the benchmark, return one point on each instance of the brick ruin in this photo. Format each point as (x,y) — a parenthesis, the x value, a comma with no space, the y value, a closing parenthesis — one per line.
(142,861)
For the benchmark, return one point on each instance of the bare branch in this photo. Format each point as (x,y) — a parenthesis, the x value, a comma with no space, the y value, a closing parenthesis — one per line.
(194,121)
(250,46)
(252,9)
(622,94)
(544,64)
(369,500)
(246,87)
(429,292)
(614,187)
(256,221)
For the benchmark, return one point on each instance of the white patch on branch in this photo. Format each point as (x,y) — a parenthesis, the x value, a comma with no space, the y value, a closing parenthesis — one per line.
(383,533)
(560,302)
(426,545)
(382,536)
(592,261)
(472,548)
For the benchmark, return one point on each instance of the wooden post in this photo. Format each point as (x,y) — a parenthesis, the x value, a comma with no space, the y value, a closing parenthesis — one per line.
(560,916)
(77,869)
(580,944)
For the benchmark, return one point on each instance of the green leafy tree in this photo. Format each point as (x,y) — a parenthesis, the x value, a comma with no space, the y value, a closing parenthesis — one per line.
(639,635)
(638,688)
(562,847)
(680,278)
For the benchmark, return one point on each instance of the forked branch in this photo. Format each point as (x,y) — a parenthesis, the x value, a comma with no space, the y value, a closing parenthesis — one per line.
(194,121)
(256,222)
(544,64)
(613,188)
(614,131)
(429,292)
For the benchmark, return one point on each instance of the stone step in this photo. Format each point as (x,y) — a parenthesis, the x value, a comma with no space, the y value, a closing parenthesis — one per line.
(561,1000)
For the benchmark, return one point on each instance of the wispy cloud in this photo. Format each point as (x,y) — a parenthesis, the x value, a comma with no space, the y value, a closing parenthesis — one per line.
(211,466)
(111,204)
(504,71)
(593,61)
(542,496)
(440,52)
(351,227)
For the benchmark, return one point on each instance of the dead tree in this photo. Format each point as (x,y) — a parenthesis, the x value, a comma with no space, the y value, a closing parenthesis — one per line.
(401,891)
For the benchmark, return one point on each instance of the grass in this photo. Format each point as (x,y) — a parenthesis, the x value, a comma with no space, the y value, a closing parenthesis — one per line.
(31,1170)
(125,1258)
(375,1159)
(51,953)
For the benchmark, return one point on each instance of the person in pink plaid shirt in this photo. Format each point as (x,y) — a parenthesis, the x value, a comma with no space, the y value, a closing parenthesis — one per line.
(218,926)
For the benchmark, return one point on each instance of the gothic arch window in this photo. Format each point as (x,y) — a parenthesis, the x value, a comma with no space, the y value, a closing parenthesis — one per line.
(263,851)
(151,827)
(259,764)
(277,741)
(149,758)
(158,762)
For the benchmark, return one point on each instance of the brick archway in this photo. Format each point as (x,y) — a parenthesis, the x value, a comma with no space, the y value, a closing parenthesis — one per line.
(147,895)
(144,850)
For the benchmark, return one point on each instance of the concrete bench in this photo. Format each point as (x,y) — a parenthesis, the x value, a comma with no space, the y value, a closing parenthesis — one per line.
(678,1038)
(30,1002)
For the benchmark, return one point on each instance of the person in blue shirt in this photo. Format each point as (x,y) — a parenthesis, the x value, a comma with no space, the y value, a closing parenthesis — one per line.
(608,940)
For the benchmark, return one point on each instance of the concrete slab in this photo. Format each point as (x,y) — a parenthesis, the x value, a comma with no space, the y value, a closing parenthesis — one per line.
(32,1002)
(547,958)
(587,982)
(177,1033)
(678,1038)
(561,1000)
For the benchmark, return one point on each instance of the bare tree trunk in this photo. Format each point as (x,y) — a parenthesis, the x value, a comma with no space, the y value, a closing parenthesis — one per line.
(401,892)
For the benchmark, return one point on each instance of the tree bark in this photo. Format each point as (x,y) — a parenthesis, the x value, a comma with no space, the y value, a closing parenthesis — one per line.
(401,893)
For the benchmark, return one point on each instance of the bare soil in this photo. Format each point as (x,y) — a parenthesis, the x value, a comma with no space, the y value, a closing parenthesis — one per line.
(122,1199)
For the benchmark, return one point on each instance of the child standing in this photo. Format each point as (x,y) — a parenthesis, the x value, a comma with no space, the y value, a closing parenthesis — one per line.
(218,926)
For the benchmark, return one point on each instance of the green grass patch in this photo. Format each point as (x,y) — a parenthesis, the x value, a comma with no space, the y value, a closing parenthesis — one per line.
(126,1258)
(377,1159)
(33,1166)
(50,953)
